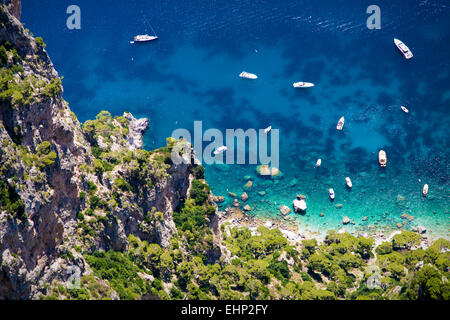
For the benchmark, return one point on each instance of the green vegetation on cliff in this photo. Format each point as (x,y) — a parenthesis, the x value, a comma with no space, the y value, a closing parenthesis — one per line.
(18,89)
(265,266)
(10,201)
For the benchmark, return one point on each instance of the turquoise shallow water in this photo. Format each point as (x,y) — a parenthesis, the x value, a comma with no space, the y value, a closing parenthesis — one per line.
(190,74)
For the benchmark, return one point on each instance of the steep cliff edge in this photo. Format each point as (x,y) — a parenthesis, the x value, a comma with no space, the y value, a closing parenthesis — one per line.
(64,185)
(14,7)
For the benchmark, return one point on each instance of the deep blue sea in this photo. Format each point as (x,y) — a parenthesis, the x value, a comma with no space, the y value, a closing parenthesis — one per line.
(191,73)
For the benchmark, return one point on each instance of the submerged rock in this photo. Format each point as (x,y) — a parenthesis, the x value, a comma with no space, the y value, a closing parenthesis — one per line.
(285,210)
(244,196)
(221,167)
(421,229)
(247,208)
(265,170)
(248,185)
(346,220)
(218,199)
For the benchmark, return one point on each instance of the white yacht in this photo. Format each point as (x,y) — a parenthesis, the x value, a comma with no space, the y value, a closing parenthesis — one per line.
(404,109)
(220,150)
(403,49)
(340,124)
(248,75)
(382,159)
(144,38)
(319,162)
(425,190)
(266,130)
(348,182)
(331,193)
(303,84)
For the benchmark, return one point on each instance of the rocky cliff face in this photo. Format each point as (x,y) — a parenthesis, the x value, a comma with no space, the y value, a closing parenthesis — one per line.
(64,185)
(14,7)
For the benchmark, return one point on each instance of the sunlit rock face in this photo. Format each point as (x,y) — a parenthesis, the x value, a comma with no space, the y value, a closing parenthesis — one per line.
(49,175)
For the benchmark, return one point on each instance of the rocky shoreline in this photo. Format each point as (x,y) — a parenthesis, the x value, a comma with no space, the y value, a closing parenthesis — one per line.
(294,233)
(241,214)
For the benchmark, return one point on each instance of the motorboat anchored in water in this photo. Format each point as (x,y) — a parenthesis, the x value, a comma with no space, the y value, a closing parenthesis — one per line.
(144,38)
(340,124)
(382,159)
(266,130)
(404,109)
(425,190)
(331,193)
(348,182)
(303,84)
(220,150)
(403,49)
(318,163)
(248,75)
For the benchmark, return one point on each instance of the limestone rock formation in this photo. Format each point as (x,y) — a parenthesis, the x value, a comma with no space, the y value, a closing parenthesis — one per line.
(65,185)
(299,205)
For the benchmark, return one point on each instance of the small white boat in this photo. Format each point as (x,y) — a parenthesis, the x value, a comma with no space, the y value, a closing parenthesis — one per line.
(382,159)
(404,109)
(331,193)
(144,38)
(425,190)
(318,163)
(340,124)
(220,150)
(348,182)
(248,75)
(303,84)
(266,130)
(403,49)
